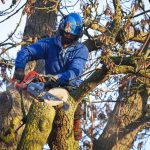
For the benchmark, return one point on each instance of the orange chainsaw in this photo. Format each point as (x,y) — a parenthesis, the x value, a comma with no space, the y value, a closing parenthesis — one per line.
(34,84)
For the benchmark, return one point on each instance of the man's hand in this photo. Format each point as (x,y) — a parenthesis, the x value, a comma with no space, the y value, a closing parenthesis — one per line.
(52,82)
(19,74)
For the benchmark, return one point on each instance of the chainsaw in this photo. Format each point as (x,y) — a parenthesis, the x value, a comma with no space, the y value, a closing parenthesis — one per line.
(34,84)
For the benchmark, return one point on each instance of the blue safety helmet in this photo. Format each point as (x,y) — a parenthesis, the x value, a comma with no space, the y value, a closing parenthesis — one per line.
(72,24)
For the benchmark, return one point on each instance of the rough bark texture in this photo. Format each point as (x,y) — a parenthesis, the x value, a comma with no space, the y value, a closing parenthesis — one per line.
(62,136)
(44,24)
(11,115)
(37,26)
(38,126)
(126,120)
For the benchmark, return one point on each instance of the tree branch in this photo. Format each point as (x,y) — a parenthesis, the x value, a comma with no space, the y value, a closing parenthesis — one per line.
(117,17)
(98,77)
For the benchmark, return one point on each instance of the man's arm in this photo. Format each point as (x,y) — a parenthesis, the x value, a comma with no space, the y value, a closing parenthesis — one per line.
(75,68)
(34,51)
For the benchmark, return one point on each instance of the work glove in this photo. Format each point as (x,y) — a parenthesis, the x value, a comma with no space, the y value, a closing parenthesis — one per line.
(19,74)
(51,82)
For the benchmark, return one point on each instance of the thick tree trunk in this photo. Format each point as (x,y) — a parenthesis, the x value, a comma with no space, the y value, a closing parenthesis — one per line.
(62,136)
(41,23)
(125,122)
(38,126)
(11,115)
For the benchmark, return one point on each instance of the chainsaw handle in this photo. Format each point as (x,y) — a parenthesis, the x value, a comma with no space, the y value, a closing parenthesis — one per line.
(17,84)
(26,80)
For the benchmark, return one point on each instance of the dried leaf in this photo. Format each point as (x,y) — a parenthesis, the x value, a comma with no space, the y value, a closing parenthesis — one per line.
(140,145)
(127,26)
(87,11)
(3,1)
(108,11)
(108,110)
(136,31)
(87,144)
(102,116)
(28,10)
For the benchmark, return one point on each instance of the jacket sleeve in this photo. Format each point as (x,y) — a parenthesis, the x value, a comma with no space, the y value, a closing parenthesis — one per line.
(75,68)
(34,51)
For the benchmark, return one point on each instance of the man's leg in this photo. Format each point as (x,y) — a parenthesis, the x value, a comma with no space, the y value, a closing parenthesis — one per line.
(77,122)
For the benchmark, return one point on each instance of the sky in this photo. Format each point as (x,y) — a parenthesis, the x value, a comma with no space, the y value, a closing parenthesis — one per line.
(8,26)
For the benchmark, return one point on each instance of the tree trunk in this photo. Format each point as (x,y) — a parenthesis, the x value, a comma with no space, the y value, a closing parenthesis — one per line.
(126,120)
(62,136)
(38,126)
(41,23)
(11,115)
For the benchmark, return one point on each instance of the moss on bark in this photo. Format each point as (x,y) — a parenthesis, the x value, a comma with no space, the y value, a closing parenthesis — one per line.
(62,136)
(11,118)
(38,126)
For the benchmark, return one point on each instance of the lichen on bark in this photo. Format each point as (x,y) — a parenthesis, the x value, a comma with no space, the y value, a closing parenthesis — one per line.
(62,136)
(38,126)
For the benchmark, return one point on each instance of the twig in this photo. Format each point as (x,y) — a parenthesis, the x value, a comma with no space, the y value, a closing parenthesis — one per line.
(13,13)
(13,31)
(141,13)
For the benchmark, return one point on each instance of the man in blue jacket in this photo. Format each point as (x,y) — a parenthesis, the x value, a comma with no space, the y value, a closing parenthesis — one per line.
(64,55)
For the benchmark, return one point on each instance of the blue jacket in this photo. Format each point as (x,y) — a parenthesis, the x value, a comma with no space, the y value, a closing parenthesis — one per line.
(67,63)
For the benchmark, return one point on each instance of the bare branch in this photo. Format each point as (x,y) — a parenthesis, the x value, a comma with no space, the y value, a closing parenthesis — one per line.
(92,82)
(13,13)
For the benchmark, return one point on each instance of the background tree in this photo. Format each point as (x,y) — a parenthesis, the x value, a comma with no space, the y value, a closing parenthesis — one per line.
(118,64)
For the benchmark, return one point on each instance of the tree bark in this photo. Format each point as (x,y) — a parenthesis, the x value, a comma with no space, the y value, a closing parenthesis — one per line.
(38,126)
(11,115)
(40,24)
(62,136)
(126,120)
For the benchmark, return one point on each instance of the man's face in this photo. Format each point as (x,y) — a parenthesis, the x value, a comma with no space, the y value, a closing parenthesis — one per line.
(67,38)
